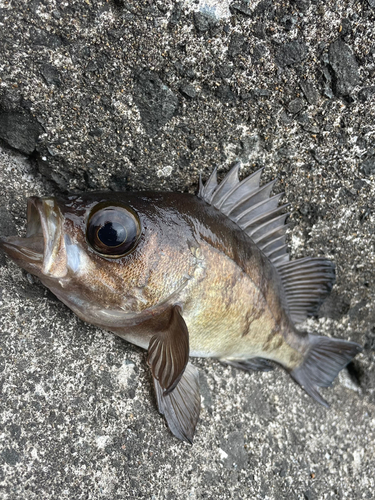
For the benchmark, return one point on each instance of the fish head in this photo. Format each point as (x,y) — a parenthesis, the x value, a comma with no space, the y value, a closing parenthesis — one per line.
(114,258)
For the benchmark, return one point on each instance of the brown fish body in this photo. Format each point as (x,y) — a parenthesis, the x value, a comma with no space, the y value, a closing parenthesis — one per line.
(230,294)
(180,275)
(233,302)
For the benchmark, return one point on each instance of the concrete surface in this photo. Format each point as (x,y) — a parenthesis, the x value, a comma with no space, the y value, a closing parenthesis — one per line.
(146,94)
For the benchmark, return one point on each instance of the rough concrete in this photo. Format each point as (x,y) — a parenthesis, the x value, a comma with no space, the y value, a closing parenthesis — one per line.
(147,94)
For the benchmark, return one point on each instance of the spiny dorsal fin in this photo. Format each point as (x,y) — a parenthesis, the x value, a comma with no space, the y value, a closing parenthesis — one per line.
(252,208)
(209,187)
(306,281)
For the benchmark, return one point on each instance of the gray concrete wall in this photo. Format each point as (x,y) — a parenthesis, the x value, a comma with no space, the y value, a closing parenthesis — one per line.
(146,95)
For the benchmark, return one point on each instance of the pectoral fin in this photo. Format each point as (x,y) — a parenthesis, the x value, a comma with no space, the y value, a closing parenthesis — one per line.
(168,351)
(181,407)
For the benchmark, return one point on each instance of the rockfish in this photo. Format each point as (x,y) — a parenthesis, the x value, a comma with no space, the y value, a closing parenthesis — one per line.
(182,275)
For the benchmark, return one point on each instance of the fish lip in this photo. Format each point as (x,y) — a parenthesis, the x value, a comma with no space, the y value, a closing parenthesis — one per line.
(22,250)
(39,249)
(30,249)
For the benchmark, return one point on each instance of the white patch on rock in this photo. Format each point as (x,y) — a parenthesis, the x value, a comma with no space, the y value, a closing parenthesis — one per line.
(223,454)
(357,456)
(39,389)
(125,372)
(297,241)
(217,8)
(165,171)
(102,441)
(106,482)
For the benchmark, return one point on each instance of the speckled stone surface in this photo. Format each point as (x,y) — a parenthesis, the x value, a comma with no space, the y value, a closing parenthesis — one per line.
(131,95)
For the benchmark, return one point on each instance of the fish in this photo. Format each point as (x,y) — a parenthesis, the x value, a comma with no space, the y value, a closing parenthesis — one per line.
(183,275)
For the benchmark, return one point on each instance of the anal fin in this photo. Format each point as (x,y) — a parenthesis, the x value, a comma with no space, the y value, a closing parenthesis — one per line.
(253,364)
(181,407)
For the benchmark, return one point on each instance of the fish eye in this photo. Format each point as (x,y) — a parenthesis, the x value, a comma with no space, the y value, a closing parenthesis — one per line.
(113,231)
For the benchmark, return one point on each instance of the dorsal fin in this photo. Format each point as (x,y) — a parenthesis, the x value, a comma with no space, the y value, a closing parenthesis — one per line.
(306,281)
(205,191)
(251,207)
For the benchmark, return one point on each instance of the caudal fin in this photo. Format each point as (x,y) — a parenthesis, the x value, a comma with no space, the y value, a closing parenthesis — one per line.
(323,361)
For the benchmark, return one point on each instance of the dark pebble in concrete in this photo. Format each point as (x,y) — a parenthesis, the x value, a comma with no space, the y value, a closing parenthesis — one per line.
(156,102)
(19,131)
(344,67)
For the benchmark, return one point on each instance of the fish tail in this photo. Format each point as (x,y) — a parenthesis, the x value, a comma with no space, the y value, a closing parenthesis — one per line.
(322,362)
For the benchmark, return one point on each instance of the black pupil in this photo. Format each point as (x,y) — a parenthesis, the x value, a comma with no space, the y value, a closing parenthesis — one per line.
(112,234)
(113,231)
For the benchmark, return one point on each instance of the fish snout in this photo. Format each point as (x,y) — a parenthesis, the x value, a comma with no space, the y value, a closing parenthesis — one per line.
(44,217)
(42,251)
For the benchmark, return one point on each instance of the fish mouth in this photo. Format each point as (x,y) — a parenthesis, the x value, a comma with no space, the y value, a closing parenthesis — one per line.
(41,252)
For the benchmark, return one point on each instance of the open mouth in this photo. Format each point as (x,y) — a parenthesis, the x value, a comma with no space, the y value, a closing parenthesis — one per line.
(37,251)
